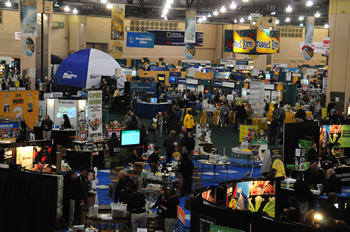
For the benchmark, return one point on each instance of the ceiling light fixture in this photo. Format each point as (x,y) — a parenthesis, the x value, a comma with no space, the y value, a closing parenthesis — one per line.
(253,22)
(301,18)
(309,3)
(8,4)
(242,20)
(209,15)
(277,21)
(109,6)
(287,19)
(301,24)
(273,12)
(200,20)
(249,17)
(215,12)
(289,8)
(163,16)
(233,5)
(66,8)
(245,0)
(170,1)
(56,4)
(235,21)
(165,11)
(204,18)
(75,11)
(223,9)
(167,5)
(317,14)
(166,18)
(104,1)
(326,25)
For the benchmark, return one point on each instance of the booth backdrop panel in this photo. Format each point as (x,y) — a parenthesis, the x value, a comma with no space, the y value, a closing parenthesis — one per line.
(28,201)
(293,132)
(15,104)
(148,110)
(223,216)
(83,159)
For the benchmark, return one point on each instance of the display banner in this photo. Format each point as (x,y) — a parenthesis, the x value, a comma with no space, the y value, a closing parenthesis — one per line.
(174,38)
(95,114)
(20,103)
(143,90)
(345,136)
(256,41)
(28,46)
(250,131)
(308,52)
(24,156)
(190,26)
(221,75)
(118,17)
(28,18)
(180,219)
(228,41)
(317,47)
(9,130)
(189,51)
(140,40)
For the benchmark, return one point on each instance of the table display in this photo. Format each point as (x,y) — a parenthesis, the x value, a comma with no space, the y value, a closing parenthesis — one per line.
(149,110)
(206,162)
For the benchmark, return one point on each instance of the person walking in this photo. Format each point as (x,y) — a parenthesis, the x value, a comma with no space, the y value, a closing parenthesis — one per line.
(188,121)
(224,113)
(250,112)
(190,144)
(210,112)
(273,130)
(144,137)
(199,111)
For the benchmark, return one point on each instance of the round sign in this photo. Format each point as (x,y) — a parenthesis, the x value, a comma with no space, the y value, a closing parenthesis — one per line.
(117,49)
(28,46)
(308,53)
(189,51)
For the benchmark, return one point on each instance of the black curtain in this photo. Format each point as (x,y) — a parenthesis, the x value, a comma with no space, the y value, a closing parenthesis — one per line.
(28,201)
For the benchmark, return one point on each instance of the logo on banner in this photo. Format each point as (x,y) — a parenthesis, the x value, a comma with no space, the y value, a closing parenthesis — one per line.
(117,49)
(189,51)
(94,76)
(118,15)
(243,41)
(308,52)
(69,75)
(28,46)
(131,39)
(28,17)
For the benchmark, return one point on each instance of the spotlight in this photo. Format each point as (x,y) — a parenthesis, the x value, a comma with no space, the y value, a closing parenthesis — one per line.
(167,6)
(223,9)
(56,4)
(326,25)
(242,20)
(165,11)
(233,5)
(253,22)
(277,21)
(289,8)
(317,14)
(287,19)
(301,18)
(8,4)
(249,17)
(200,20)
(204,18)
(163,16)
(245,0)
(209,15)
(215,12)
(309,3)
(104,1)
(273,12)
(75,11)
(109,6)
(301,24)
(170,1)
(235,21)
(66,8)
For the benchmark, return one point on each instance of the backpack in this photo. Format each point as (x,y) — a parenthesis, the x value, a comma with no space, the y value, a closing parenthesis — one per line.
(164,143)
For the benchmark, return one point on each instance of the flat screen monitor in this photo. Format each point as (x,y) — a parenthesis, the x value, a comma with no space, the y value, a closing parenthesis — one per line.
(154,100)
(267,76)
(130,138)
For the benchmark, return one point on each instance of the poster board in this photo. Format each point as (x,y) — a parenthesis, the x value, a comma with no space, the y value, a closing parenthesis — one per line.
(95,114)
(68,107)
(248,130)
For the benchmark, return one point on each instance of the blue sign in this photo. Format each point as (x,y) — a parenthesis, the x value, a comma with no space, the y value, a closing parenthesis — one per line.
(218,75)
(157,68)
(12,125)
(242,62)
(140,40)
(143,90)
(175,74)
(181,80)
(174,38)
(216,83)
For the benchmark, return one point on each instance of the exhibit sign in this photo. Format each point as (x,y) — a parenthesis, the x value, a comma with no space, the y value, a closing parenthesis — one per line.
(28,46)
(28,18)
(95,114)
(256,41)
(317,47)
(308,52)
(20,103)
(140,40)
(180,219)
(228,41)
(249,131)
(9,130)
(68,107)
(189,51)
(110,131)
(174,38)
(143,90)
(190,26)
(24,156)
(345,136)
(117,49)
(221,75)
(117,26)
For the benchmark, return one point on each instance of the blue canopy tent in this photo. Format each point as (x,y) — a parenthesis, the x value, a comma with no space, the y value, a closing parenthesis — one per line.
(84,69)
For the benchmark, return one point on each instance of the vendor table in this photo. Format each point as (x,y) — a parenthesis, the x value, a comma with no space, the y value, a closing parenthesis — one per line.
(214,165)
(149,110)
(259,122)
(198,156)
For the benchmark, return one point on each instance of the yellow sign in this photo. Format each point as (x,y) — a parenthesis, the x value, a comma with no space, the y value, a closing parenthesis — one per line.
(118,17)
(242,44)
(117,49)
(324,113)
(267,42)
(251,131)
(20,103)
(279,166)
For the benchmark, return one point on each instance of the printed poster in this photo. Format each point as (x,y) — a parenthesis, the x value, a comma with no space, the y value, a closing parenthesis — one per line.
(345,136)
(250,131)
(24,156)
(190,26)
(118,17)
(28,18)
(228,41)
(95,114)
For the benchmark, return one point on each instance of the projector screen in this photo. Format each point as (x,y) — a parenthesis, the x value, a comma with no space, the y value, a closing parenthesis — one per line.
(130,137)
(66,107)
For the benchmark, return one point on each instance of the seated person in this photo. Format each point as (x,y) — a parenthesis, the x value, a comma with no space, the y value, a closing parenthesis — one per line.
(312,175)
(327,207)
(135,157)
(153,159)
(123,181)
(332,184)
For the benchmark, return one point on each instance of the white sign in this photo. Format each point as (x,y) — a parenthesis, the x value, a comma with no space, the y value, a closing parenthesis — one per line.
(326,42)
(118,72)
(223,61)
(255,72)
(296,74)
(17,35)
(192,81)
(324,87)
(95,114)
(310,72)
(289,76)
(191,72)
(228,84)
(24,156)
(317,47)
(31,72)
(269,86)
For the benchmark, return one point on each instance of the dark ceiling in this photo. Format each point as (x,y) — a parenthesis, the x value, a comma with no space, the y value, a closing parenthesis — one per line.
(152,9)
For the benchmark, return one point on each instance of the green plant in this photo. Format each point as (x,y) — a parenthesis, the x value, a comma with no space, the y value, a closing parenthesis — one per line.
(119,159)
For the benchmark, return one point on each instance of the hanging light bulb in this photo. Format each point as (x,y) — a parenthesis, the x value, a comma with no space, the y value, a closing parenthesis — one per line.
(326,25)
(109,6)
(163,16)
(289,8)
(170,1)
(66,8)
(287,19)
(253,22)
(273,12)
(167,6)
(215,12)
(204,18)
(235,21)
(200,20)
(301,18)
(209,15)
(8,4)
(301,24)
(309,3)
(249,17)
(242,20)
(104,1)
(233,5)
(75,11)
(317,14)
(277,21)
(223,9)
(165,11)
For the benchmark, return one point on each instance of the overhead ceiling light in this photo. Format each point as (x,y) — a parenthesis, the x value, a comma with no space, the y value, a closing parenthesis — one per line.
(289,8)
(277,21)
(215,12)
(242,20)
(170,1)
(245,0)
(165,11)
(235,21)
(66,8)
(204,18)
(273,12)
(253,22)
(167,6)
(309,3)
(200,20)
(209,15)
(8,4)
(75,11)
(301,24)
(104,1)
(317,14)
(287,19)
(326,25)
(301,18)
(109,6)
(163,16)
(223,9)
(56,4)
(233,5)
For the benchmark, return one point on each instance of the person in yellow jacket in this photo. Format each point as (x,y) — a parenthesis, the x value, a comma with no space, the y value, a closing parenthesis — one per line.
(188,121)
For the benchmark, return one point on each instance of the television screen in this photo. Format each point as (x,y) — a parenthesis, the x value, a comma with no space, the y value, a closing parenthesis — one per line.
(130,137)
(154,100)
(267,76)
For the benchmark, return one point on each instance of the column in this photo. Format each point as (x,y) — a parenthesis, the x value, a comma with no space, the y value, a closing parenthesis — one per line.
(77,32)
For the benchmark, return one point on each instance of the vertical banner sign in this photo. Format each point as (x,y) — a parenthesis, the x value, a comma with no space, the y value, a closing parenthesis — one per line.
(308,52)
(180,219)
(28,17)
(95,114)
(228,46)
(118,17)
(190,26)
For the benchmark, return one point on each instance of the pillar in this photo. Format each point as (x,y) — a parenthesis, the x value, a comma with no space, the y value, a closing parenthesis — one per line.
(77,32)
(338,85)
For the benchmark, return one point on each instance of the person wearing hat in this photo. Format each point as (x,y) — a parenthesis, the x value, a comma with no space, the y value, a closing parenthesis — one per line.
(273,130)
(327,207)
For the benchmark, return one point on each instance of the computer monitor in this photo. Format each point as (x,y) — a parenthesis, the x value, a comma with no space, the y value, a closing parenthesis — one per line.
(154,100)
(267,76)
(130,138)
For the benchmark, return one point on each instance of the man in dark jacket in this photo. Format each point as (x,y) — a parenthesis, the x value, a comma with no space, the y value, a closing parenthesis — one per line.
(241,113)
(183,139)
(153,159)
(186,168)
(136,206)
(332,184)
(273,131)
(327,207)
(312,154)
(72,175)
(190,144)
(170,142)
(302,193)
(113,144)
(123,181)
(312,176)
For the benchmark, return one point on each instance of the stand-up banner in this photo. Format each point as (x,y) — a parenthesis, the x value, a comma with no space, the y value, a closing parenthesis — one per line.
(190,26)
(308,52)
(28,17)
(95,114)
(118,17)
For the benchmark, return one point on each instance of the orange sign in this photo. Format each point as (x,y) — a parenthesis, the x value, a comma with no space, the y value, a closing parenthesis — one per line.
(181,214)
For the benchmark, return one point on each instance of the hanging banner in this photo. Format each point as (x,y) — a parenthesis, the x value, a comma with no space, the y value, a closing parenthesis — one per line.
(190,26)
(189,51)
(20,103)
(117,49)
(317,47)
(228,41)
(28,46)
(174,38)
(140,40)
(28,17)
(118,17)
(95,114)
(308,52)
